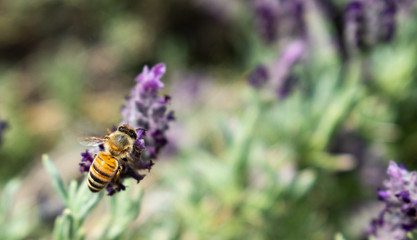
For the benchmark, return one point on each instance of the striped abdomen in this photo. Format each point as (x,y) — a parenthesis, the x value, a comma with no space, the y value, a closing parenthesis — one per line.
(101,171)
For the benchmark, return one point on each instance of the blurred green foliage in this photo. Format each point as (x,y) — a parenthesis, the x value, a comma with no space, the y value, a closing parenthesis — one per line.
(241,164)
(15,219)
(79,202)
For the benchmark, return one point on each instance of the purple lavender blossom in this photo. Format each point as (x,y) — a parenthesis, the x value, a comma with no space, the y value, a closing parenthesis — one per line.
(407,6)
(86,161)
(259,76)
(369,22)
(3,126)
(354,23)
(400,197)
(387,15)
(266,13)
(146,111)
(286,87)
(278,75)
(276,18)
(189,87)
(282,69)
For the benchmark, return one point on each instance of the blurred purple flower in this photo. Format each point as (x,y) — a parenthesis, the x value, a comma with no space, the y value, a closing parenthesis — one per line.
(189,87)
(3,126)
(291,55)
(279,18)
(259,76)
(278,75)
(387,27)
(354,23)
(369,22)
(266,13)
(400,197)
(406,5)
(146,111)
(286,87)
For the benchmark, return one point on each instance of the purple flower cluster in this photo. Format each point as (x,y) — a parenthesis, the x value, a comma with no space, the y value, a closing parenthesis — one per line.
(86,161)
(368,22)
(400,197)
(146,111)
(276,18)
(278,75)
(3,126)
(259,76)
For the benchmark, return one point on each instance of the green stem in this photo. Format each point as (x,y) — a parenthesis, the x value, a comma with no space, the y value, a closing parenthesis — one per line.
(339,108)
(241,146)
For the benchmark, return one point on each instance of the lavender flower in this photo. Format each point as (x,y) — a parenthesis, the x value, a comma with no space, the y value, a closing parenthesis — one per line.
(354,23)
(400,197)
(259,76)
(368,22)
(278,75)
(266,13)
(286,87)
(407,6)
(276,18)
(146,111)
(3,126)
(387,16)
(86,161)
(190,87)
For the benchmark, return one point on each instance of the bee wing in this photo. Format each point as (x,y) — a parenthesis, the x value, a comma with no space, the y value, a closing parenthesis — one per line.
(92,141)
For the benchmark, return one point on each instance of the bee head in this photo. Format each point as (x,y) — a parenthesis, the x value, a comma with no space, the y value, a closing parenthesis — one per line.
(129,131)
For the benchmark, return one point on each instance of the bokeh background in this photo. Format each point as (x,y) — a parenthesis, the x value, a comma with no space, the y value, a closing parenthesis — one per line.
(287,112)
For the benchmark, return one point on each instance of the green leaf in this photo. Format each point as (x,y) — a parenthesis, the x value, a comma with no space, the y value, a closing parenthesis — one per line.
(8,194)
(85,199)
(124,209)
(89,204)
(72,190)
(114,204)
(57,182)
(58,228)
(242,142)
(339,236)
(136,204)
(82,192)
(63,226)
(80,233)
(340,162)
(67,225)
(303,182)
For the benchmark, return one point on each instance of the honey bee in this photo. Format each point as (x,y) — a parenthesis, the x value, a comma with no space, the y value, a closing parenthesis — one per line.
(118,152)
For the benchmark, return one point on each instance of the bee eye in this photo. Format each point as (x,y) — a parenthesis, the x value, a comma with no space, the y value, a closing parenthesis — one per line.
(121,129)
(132,134)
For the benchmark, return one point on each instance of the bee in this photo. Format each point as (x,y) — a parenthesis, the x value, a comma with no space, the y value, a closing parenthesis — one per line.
(118,152)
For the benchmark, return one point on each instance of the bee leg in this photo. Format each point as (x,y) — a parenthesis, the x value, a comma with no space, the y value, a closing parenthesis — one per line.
(116,179)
